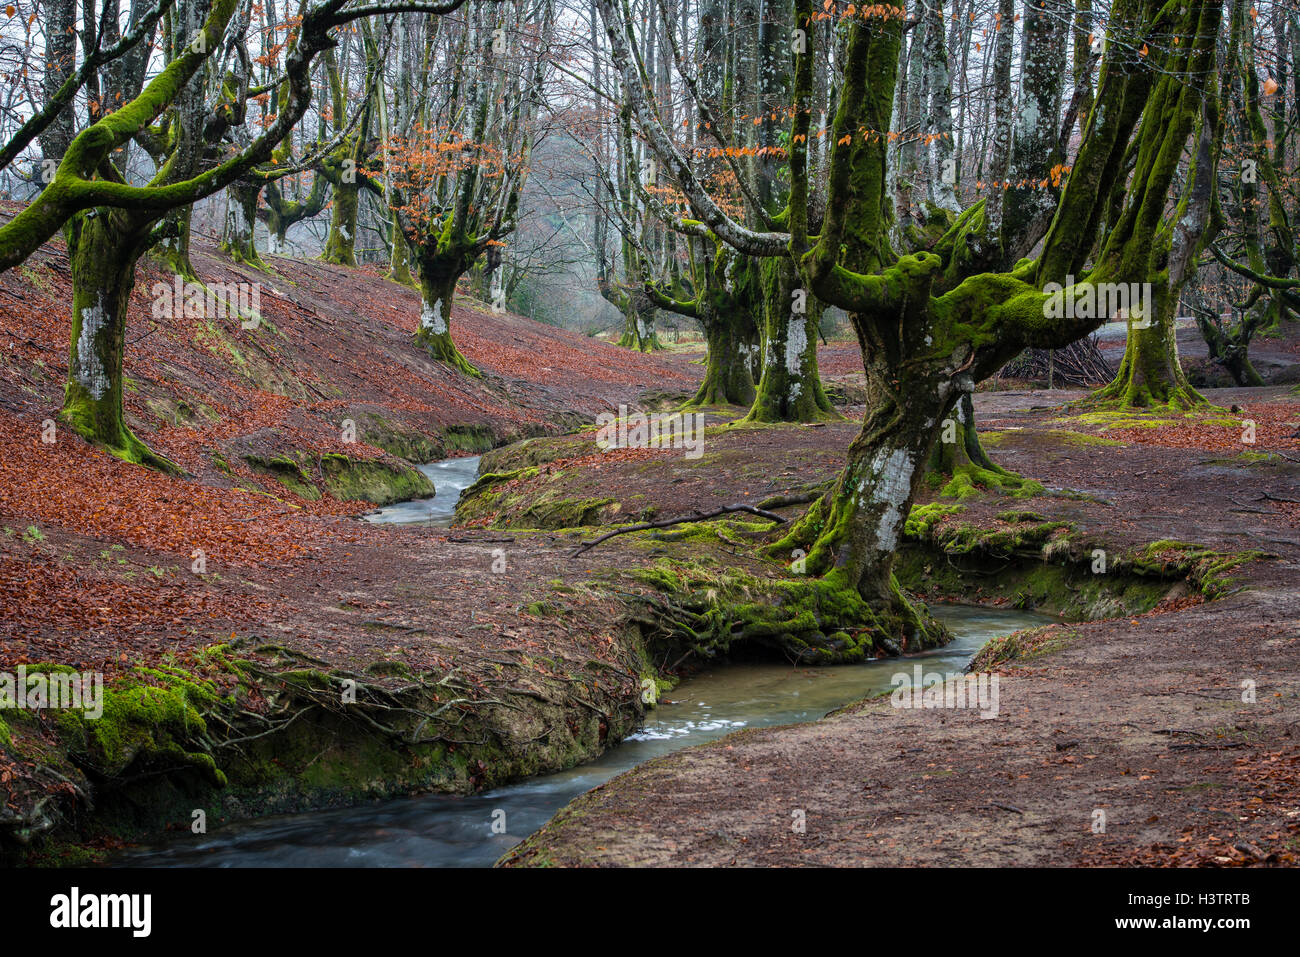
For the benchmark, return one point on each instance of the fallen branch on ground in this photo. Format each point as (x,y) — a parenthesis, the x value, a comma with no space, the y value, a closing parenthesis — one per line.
(697,517)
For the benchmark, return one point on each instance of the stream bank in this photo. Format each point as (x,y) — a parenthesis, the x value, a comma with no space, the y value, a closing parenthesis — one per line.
(474,830)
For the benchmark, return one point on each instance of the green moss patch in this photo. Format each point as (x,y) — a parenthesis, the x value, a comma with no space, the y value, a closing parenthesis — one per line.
(969,480)
(706,611)
(373,480)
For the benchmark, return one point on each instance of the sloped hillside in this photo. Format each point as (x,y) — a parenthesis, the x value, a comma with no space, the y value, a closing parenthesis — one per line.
(333,345)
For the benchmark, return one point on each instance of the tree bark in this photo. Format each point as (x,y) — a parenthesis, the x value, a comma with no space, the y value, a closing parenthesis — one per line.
(790,389)
(107,244)
(1150,374)
(852,533)
(437,290)
(341,242)
(237,235)
(727,376)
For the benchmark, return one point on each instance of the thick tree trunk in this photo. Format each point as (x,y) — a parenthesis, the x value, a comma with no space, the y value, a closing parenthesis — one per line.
(1150,374)
(639,327)
(965,448)
(276,230)
(727,376)
(105,250)
(437,290)
(341,242)
(850,535)
(790,389)
(173,252)
(1230,347)
(959,463)
(1238,365)
(399,267)
(241,220)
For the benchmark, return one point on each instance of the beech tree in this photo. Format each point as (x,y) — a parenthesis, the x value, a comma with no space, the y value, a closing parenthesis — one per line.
(458,175)
(737,97)
(931,319)
(1251,285)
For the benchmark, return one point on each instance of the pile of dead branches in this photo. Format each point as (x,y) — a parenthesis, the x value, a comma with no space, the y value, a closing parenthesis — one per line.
(1079,364)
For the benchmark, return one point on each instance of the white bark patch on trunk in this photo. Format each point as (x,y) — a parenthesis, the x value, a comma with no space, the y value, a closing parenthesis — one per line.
(796,341)
(893,485)
(238,225)
(90,372)
(1028,117)
(431,318)
(274,245)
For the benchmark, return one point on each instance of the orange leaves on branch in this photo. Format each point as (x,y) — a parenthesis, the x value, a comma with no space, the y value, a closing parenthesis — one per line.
(428,155)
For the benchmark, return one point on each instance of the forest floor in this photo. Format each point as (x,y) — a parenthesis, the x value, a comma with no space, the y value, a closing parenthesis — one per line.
(99,562)
(1141,718)
(96,573)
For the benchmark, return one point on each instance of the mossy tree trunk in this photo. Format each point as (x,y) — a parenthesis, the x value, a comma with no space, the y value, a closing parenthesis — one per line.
(341,241)
(724,308)
(437,291)
(173,251)
(283,213)
(728,379)
(958,444)
(399,264)
(106,245)
(1230,346)
(1150,374)
(639,328)
(638,308)
(929,324)
(790,389)
(237,235)
(277,230)
(927,331)
(959,463)
(851,534)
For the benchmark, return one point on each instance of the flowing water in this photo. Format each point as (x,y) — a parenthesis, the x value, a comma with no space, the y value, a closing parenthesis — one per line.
(457,831)
(450,477)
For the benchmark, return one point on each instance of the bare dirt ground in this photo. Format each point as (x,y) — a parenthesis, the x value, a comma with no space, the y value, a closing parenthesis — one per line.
(1141,719)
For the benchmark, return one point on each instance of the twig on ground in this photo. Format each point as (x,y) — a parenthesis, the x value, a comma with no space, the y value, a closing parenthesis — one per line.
(697,517)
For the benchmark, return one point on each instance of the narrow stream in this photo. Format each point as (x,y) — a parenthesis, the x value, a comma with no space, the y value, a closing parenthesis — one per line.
(456,831)
(450,477)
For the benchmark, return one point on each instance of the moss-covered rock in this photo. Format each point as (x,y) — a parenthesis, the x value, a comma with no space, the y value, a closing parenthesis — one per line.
(288,471)
(378,481)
